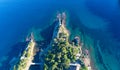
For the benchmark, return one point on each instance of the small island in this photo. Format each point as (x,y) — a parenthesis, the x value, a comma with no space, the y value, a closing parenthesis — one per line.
(60,54)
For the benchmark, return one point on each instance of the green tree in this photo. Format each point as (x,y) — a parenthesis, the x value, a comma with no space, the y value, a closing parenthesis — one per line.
(45,67)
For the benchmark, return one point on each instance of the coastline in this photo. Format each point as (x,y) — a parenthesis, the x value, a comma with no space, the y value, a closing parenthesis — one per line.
(25,58)
(63,29)
(32,56)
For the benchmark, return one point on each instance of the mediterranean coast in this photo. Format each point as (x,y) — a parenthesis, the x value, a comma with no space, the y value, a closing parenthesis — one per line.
(56,47)
(57,52)
(59,35)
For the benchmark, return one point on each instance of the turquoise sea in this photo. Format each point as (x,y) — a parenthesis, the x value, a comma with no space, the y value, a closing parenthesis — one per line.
(97,22)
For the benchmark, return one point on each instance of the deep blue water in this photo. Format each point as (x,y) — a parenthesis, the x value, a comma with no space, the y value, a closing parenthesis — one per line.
(17,17)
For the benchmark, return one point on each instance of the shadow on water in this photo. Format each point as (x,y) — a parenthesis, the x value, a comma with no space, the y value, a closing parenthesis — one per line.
(40,45)
(47,33)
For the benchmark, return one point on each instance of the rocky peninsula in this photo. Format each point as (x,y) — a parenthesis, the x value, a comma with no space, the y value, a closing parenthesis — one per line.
(55,53)
(25,58)
(64,54)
